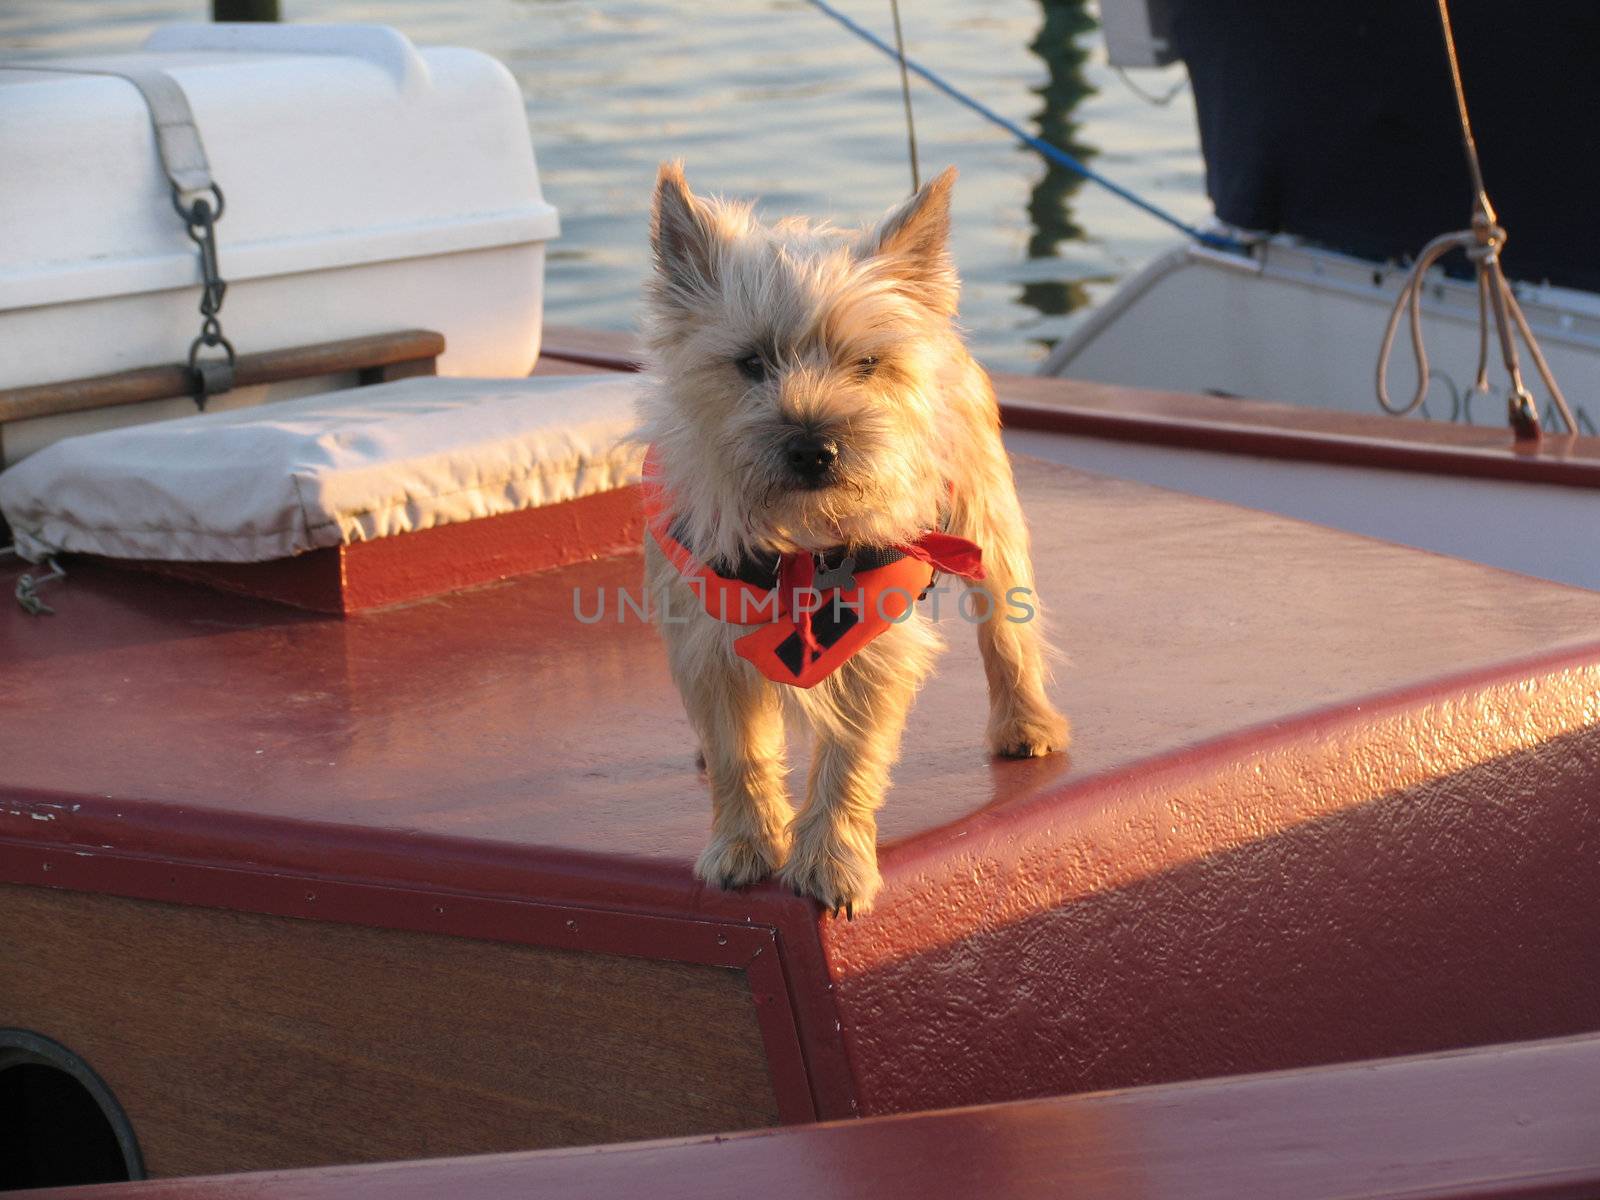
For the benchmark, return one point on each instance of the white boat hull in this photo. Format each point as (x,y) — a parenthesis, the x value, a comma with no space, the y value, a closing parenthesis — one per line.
(1300,325)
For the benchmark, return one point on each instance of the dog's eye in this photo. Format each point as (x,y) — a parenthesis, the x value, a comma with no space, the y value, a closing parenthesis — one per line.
(753,367)
(866,366)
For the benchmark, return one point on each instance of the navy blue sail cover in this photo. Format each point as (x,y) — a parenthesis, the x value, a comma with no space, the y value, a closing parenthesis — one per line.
(1336,122)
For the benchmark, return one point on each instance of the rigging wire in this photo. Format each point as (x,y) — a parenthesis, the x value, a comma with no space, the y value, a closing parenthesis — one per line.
(905,94)
(1054,154)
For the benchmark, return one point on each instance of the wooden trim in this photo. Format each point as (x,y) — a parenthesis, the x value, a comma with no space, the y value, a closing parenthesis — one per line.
(1225,425)
(389,355)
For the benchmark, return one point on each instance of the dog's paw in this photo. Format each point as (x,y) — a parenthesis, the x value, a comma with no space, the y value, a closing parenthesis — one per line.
(1031,734)
(839,869)
(736,862)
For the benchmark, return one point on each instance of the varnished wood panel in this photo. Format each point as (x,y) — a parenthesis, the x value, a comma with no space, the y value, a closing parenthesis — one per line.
(239,1042)
(378,358)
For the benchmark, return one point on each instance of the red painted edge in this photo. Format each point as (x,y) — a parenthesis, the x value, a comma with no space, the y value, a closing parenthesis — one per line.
(1300,446)
(448,558)
(1204,758)
(340,580)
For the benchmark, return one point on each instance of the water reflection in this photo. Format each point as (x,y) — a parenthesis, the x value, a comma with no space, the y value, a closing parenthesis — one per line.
(1049,206)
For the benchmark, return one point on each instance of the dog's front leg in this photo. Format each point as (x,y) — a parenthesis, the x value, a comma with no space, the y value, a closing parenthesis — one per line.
(738,718)
(1022,721)
(859,715)
(740,724)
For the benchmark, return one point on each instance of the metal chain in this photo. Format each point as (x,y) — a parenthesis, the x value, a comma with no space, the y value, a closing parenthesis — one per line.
(27,590)
(208,376)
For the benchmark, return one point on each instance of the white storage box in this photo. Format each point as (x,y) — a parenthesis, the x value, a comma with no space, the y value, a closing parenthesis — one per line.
(370,187)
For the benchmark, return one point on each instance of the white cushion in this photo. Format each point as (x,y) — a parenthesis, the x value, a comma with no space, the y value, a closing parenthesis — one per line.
(266,482)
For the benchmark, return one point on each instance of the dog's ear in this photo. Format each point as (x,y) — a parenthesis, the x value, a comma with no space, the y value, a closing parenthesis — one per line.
(683,236)
(914,237)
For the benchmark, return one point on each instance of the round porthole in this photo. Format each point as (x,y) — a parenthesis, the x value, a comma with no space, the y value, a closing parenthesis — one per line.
(59,1123)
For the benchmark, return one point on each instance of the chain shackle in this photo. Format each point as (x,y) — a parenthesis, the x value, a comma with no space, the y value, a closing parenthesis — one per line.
(208,376)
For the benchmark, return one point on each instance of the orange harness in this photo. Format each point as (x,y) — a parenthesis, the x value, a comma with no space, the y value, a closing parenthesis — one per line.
(810,624)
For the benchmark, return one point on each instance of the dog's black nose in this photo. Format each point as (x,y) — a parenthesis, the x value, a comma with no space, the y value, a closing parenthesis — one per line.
(812,457)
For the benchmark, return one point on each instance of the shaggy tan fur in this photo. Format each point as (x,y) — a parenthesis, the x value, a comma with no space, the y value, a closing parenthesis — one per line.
(763,332)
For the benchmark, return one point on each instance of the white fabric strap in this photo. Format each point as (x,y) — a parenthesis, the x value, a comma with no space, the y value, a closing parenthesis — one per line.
(183,156)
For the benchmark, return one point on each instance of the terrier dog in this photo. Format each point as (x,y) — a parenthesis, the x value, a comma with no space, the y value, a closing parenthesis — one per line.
(814,410)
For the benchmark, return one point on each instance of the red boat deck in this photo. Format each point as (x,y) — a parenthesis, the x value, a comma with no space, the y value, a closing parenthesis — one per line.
(1329,799)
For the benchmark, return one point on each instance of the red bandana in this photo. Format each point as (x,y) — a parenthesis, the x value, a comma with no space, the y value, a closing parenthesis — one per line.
(810,624)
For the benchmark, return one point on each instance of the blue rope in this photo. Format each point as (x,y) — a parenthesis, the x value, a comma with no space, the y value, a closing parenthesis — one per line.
(1053,153)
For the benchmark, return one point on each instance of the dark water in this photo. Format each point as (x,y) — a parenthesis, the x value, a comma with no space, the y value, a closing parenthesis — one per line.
(768,98)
